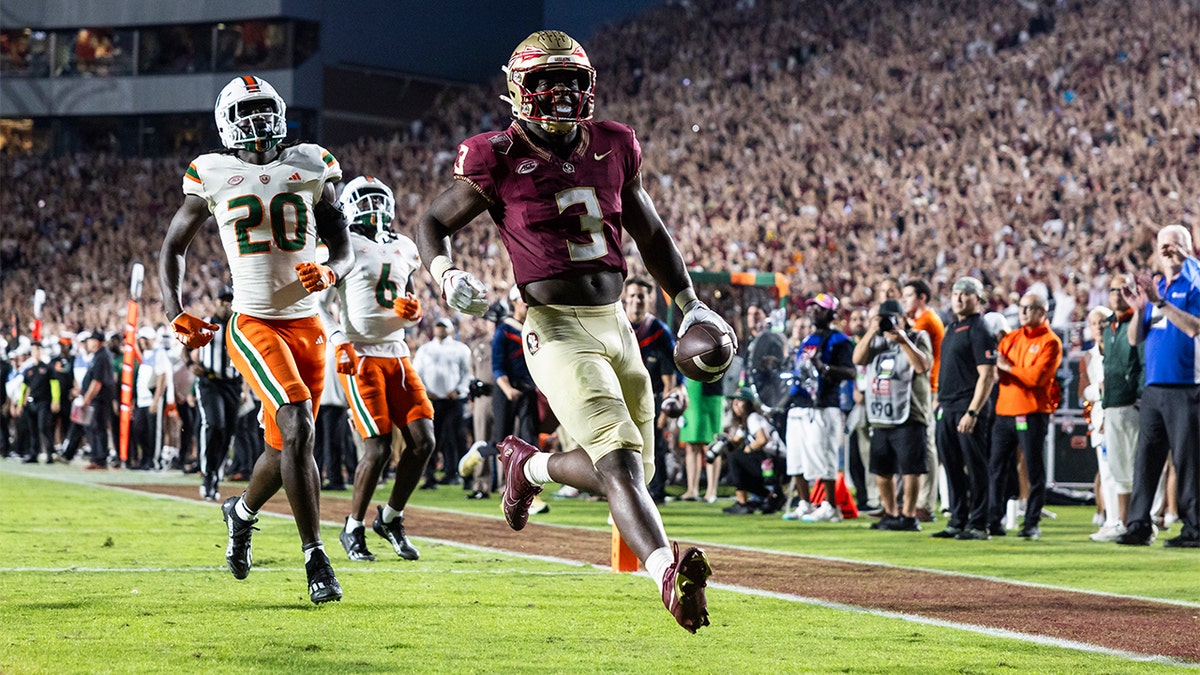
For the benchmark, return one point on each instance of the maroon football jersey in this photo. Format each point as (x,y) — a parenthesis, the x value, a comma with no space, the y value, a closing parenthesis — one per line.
(557,217)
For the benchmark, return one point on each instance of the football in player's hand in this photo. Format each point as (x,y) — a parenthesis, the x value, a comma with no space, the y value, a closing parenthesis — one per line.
(703,353)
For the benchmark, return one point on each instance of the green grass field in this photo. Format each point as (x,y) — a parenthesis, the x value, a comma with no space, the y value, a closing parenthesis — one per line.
(97,580)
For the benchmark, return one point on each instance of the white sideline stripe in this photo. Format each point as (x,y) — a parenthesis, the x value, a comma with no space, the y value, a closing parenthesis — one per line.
(345,568)
(1043,640)
(330,523)
(914,618)
(733,547)
(903,616)
(950,573)
(747,549)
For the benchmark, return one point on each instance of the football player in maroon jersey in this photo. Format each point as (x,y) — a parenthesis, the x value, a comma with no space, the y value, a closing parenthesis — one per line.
(562,189)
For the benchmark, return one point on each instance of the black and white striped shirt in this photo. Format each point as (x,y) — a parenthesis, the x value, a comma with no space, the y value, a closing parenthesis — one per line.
(214,358)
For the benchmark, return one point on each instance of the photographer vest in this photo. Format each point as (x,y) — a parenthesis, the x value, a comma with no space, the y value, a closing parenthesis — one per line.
(894,392)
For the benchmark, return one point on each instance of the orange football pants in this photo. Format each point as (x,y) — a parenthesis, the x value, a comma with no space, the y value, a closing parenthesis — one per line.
(383,390)
(283,361)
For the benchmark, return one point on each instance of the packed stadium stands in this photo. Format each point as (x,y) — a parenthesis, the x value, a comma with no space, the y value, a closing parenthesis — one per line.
(836,143)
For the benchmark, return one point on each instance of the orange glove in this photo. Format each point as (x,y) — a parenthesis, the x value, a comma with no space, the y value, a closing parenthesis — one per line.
(315,276)
(407,308)
(347,359)
(192,332)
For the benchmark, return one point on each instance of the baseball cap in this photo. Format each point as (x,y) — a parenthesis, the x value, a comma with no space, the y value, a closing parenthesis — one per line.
(826,300)
(890,308)
(996,323)
(444,322)
(226,293)
(496,312)
(744,394)
(969,285)
(148,333)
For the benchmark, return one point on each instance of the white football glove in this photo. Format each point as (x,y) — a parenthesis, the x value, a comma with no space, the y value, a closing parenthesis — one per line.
(463,292)
(698,312)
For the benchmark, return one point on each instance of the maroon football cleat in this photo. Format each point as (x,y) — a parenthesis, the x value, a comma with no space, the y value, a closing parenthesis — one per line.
(518,491)
(683,588)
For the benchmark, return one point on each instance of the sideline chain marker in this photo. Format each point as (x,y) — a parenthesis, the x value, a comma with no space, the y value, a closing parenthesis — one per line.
(623,558)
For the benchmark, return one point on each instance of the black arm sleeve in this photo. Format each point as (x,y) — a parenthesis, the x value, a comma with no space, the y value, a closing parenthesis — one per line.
(330,219)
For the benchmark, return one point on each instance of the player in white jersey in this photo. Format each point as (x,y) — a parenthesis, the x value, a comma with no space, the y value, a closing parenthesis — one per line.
(374,366)
(271,203)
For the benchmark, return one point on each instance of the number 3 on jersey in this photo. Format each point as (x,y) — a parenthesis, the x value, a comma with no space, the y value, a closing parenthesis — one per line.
(289,234)
(591,222)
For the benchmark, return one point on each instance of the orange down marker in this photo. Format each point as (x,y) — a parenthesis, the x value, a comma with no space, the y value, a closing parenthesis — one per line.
(623,558)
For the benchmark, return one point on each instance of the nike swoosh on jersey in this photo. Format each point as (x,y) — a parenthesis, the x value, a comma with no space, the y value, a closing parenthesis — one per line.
(600,157)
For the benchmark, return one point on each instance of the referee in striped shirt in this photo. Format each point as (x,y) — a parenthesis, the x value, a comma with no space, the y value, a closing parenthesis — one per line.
(218,396)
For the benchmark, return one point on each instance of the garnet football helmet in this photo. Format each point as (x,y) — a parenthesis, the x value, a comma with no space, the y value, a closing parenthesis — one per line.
(369,206)
(543,51)
(250,115)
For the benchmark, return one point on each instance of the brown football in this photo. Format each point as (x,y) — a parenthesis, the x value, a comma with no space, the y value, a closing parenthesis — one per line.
(703,353)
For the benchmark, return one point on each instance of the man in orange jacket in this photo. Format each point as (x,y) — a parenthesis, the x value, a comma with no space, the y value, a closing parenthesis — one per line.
(1027,360)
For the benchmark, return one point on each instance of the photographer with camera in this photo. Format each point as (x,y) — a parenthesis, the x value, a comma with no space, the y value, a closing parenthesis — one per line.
(752,446)
(898,362)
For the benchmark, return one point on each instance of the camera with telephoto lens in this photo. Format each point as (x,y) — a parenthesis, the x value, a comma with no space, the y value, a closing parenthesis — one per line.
(886,323)
(478,388)
(719,445)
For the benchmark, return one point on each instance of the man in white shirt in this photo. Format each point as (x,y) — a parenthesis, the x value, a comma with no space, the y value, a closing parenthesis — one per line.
(150,391)
(444,365)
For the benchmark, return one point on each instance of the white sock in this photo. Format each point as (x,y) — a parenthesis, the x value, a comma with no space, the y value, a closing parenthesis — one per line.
(537,469)
(352,524)
(657,564)
(390,514)
(309,550)
(242,511)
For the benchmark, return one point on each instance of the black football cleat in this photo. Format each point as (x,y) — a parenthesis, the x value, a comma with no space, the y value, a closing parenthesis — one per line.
(237,552)
(355,544)
(394,533)
(323,585)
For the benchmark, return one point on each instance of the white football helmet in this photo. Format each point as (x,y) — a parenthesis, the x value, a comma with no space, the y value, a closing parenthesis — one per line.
(369,206)
(244,125)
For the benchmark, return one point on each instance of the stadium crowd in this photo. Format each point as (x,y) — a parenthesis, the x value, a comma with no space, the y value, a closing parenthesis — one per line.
(1031,144)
